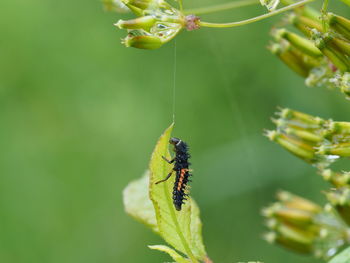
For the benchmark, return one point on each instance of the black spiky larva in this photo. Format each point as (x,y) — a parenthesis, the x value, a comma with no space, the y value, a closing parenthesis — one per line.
(181,168)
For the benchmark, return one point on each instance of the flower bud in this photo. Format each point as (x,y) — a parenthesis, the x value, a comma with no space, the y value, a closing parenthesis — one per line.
(293,145)
(337,149)
(144,22)
(304,135)
(302,44)
(339,127)
(296,202)
(290,238)
(115,5)
(339,24)
(294,60)
(303,226)
(305,24)
(344,84)
(340,199)
(143,42)
(142,4)
(324,43)
(341,45)
(303,119)
(287,214)
(336,179)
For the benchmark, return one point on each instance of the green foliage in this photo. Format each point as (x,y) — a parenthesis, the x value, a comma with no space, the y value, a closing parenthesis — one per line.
(137,204)
(343,257)
(181,229)
(178,258)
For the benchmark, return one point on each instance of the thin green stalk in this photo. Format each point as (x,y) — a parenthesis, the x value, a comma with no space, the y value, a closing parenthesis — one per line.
(325,6)
(181,5)
(220,7)
(254,19)
(307,11)
(324,15)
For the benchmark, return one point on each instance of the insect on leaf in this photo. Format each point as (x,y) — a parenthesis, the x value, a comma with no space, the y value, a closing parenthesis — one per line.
(343,257)
(180,229)
(137,203)
(176,256)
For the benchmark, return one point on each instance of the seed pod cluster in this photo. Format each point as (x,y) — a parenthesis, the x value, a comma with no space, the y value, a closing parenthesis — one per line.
(322,55)
(304,227)
(315,140)
(299,224)
(156,23)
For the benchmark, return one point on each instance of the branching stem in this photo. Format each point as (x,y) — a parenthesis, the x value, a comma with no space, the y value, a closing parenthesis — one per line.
(255,19)
(181,5)
(325,6)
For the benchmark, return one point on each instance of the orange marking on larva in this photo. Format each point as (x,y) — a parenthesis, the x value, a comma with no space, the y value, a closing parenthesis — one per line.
(182,175)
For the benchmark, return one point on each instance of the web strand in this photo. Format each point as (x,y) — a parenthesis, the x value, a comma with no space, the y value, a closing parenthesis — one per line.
(174,81)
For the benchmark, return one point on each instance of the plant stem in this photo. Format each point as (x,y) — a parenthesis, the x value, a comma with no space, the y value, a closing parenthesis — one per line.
(220,7)
(325,6)
(181,5)
(254,19)
(324,15)
(307,11)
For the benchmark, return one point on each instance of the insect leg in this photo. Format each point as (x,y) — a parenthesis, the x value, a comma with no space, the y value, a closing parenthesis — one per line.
(166,178)
(170,162)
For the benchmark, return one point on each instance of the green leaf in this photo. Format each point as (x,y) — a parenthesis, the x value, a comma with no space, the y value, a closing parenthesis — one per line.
(137,203)
(196,229)
(176,256)
(343,257)
(180,229)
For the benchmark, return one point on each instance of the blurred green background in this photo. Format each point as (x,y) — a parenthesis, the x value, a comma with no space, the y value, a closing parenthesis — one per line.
(80,115)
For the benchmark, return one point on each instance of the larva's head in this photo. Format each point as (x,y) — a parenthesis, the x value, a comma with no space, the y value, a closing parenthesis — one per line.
(174,141)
